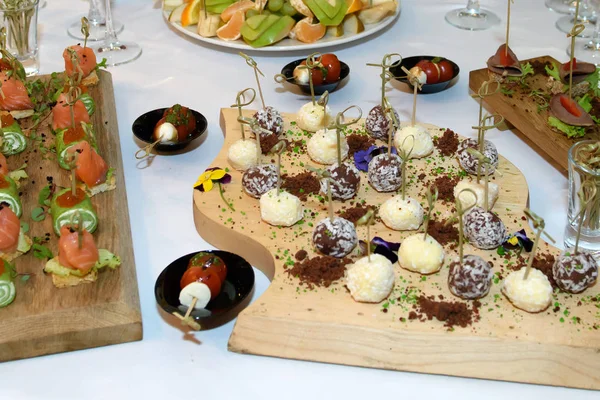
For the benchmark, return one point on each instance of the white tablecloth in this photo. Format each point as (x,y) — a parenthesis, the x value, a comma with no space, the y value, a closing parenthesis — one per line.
(174,69)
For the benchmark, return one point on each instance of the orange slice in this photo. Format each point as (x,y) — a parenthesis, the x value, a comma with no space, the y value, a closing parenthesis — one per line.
(242,5)
(354,6)
(191,13)
(307,32)
(231,30)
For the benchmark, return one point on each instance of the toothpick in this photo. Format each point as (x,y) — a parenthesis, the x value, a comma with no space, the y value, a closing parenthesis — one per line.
(341,124)
(405,156)
(460,211)
(279,148)
(507,27)
(431,197)
(539,224)
(576,30)
(239,104)
(330,198)
(85,30)
(386,75)
(312,63)
(257,129)
(250,61)
(367,220)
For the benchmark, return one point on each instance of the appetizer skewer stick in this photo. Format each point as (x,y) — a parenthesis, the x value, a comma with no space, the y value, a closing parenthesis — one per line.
(417,85)
(240,102)
(386,75)
(576,30)
(507,27)
(252,64)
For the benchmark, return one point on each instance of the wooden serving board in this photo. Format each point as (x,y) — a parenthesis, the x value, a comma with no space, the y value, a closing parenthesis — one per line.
(43,319)
(520,111)
(327,325)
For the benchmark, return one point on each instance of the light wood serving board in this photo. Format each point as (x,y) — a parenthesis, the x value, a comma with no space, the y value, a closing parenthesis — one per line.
(520,111)
(43,319)
(327,325)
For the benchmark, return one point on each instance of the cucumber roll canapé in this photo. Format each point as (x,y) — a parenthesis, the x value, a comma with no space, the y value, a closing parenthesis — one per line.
(65,205)
(10,194)
(7,286)
(13,140)
(67,138)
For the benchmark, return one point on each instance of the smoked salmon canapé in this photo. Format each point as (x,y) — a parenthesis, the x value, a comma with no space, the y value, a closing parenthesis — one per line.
(81,64)
(13,242)
(78,259)
(14,97)
(63,118)
(91,169)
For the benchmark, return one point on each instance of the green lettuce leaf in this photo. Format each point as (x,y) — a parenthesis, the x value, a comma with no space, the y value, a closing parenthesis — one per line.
(594,79)
(553,72)
(570,131)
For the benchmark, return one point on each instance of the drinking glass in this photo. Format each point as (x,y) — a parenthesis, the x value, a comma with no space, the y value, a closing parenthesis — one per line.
(590,226)
(587,17)
(561,6)
(20,19)
(115,51)
(97,18)
(589,50)
(472,17)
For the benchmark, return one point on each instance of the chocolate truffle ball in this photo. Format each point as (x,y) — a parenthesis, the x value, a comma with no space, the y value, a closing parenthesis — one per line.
(335,238)
(269,118)
(385,173)
(259,179)
(470,163)
(378,123)
(346,181)
(574,273)
(484,229)
(471,280)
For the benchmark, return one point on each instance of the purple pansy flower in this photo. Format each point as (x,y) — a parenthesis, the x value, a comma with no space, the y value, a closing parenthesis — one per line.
(363,157)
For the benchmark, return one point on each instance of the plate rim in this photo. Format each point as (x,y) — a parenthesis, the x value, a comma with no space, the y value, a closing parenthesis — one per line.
(293,45)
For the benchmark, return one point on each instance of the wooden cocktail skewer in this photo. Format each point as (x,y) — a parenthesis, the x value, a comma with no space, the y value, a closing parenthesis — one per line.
(405,156)
(576,30)
(186,319)
(539,224)
(340,125)
(240,101)
(507,27)
(85,30)
(251,63)
(482,128)
(279,148)
(431,197)
(414,81)
(387,109)
(483,160)
(367,220)
(386,75)
(257,129)
(460,211)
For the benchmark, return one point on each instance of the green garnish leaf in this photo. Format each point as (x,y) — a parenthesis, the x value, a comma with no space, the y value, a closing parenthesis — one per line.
(585,102)
(101,64)
(38,214)
(42,252)
(570,131)
(25,277)
(24,227)
(594,80)
(553,72)
(44,196)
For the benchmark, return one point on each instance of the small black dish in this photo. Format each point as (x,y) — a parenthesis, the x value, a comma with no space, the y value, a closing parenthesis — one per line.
(410,62)
(143,127)
(288,72)
(237,286)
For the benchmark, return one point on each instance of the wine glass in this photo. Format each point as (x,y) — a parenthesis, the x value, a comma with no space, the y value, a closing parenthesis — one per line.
(97,20)
(472,17)
(587,17)
(114,50)
(561,6)
(589,50)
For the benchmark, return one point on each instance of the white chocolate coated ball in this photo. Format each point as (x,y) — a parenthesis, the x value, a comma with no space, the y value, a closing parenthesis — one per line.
(417,254)
(284,209)
(533,294)
(401,215)
(423,144)
(313,117)
(243,154)
(322,146)
(370,281)
(467,198)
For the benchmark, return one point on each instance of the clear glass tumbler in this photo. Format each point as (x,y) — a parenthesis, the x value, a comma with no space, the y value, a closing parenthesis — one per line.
(20,19)
(590,228)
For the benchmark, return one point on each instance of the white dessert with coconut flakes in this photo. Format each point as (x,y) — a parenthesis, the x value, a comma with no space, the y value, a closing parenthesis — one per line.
(322,146)
(313,117)
(533,294)
(468,199)
(370,280)
(421,255)
(243,154)
(421,142)
(401,215)
(283,209)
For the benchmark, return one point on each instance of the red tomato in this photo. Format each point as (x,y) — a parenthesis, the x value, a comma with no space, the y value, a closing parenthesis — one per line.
(209,261)
(567,65)
(431,70)
(570,106)
(333,66)
(207,276)
(446,70)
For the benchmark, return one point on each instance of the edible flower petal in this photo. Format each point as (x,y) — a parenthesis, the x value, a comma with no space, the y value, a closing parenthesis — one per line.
(390,245)
(519,240)
(380,246)
(206,181)
(363,157)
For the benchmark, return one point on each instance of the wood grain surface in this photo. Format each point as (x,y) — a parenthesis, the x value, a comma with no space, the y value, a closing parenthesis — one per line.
(43,319)
(520,112)
(560,346)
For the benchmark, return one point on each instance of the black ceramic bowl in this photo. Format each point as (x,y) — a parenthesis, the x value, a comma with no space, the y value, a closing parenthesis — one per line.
(144,125)
(237,286)
(410,62)
(288,72)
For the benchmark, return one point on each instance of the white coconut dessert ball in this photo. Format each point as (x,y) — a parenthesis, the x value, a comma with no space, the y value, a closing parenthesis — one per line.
(468,199)
(335,238)
(313,117)
(243,154)
(401,215)
(322,146)
(370,280)
(420,254)
(283,209)
(423,144)
(533,294)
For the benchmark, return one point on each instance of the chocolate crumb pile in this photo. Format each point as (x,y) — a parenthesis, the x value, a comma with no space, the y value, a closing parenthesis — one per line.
(353,214)
(539,67)
(358,142)
(267,142)
(542,262)
(447,144)
(319,271)
(301,185)
(452,313)
(443,233)
(445,186)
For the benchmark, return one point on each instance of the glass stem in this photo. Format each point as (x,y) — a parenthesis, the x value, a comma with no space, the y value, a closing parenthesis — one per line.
(110,35)
(95,14)
(473,7)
